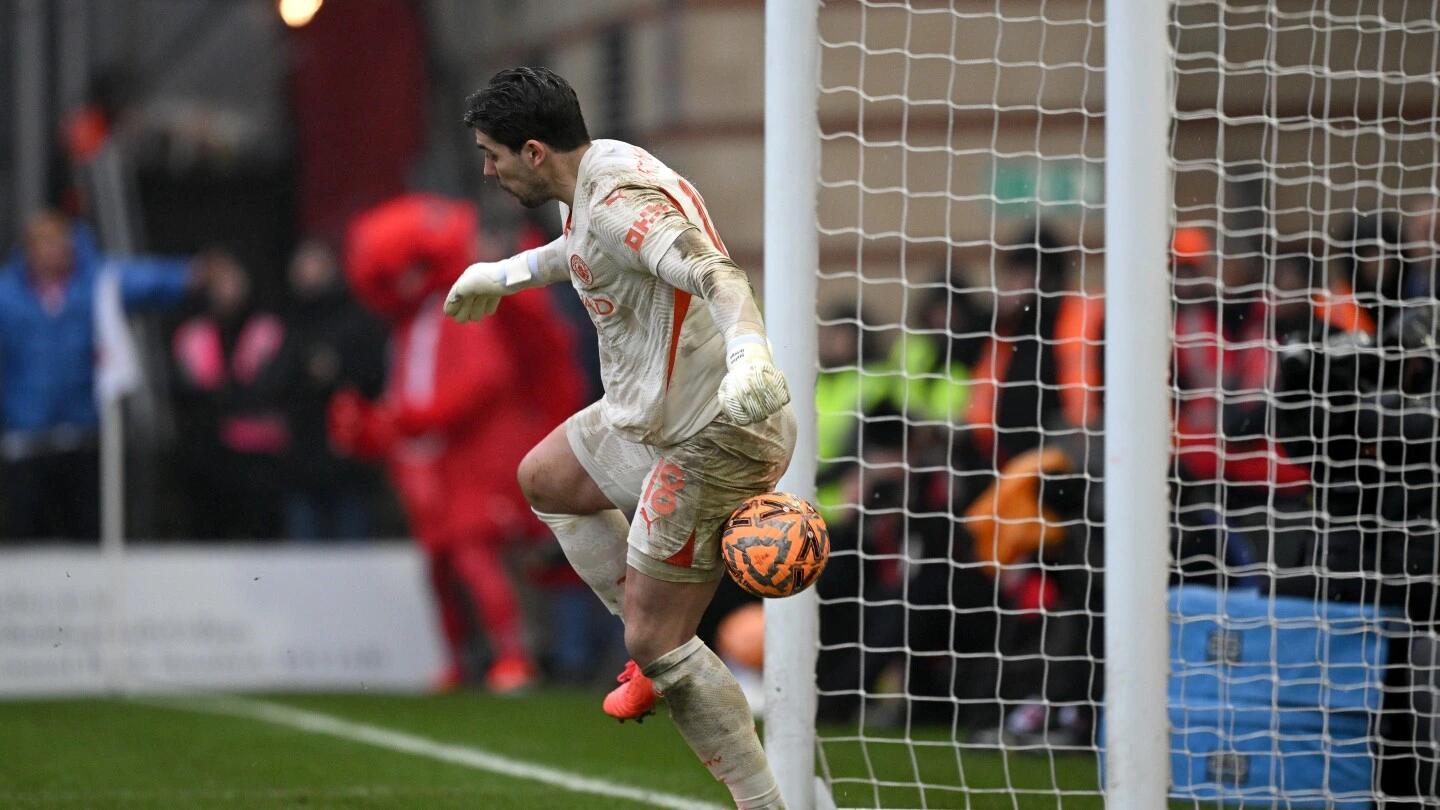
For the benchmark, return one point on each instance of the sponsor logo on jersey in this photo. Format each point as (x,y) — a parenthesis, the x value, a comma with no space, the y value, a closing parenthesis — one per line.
(581,270)
(598,306)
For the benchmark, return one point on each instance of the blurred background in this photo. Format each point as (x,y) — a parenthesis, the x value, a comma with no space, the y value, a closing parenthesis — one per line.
(175,127)
(268,196)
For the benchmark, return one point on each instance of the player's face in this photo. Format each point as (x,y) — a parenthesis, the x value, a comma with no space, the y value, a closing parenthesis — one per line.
(512,172)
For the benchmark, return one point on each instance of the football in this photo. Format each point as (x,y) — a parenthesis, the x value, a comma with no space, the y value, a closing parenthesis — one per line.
(775,545)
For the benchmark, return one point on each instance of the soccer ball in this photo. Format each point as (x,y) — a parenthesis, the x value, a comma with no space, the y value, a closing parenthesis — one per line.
(775,545)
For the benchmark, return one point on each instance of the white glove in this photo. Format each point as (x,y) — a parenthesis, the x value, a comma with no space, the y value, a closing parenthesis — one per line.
(478,291)
(754,388)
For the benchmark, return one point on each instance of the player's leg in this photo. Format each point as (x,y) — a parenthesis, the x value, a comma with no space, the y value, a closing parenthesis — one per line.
(577,479)
(706,702)
(674,567)
(554,480)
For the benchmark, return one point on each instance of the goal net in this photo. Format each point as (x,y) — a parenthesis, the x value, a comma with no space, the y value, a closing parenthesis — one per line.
(960,397)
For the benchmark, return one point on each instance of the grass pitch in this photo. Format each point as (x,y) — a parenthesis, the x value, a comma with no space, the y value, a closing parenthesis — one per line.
(457,751)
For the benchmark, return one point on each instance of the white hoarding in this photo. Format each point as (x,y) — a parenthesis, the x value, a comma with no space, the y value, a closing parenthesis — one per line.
(171,618)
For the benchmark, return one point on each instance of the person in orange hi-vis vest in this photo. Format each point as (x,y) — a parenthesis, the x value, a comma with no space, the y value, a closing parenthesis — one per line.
(1043,366)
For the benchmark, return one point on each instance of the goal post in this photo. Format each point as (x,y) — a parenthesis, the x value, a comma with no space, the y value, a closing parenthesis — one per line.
(1137,419)
(792,164)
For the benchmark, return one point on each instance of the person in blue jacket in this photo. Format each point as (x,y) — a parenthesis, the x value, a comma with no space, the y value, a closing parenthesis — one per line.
(49,419)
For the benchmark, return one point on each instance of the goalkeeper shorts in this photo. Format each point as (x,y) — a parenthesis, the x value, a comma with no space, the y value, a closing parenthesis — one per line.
(681,495)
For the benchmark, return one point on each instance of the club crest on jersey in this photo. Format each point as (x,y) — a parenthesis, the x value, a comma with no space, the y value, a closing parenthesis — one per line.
(581,270)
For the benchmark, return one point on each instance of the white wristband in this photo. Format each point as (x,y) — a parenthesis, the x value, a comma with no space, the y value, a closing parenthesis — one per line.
(738,347)
(519,271)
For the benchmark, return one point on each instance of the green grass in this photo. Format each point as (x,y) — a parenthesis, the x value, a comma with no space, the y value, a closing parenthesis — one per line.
(158,756)
(953,776)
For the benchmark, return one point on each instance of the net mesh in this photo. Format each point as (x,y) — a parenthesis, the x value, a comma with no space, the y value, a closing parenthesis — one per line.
(960,399)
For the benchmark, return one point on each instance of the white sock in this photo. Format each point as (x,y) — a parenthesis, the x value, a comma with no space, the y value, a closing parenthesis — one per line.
(595,546)
(714,717)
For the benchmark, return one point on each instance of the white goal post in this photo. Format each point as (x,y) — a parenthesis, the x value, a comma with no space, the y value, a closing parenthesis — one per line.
(1137,419)
(792,163)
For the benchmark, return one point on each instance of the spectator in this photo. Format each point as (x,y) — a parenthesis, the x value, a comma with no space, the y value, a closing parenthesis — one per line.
(867,540)
(1041,369)
(936,392)
(937,358)
(461,406)
(1230,472)
(330,343)
(860,442)
(48,413)
(1038,396)
(1353,400)
(853,389)
(1038,530)
(1374,273)
(1362,409)
(233,433)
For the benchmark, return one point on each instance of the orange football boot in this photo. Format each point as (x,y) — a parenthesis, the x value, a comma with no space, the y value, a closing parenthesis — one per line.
(634,699)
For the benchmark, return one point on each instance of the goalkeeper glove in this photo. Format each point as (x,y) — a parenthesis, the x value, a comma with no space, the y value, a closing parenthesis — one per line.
(478,291)
(753,388)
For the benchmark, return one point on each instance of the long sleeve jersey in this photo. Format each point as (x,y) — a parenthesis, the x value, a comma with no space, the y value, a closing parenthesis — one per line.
(640,249)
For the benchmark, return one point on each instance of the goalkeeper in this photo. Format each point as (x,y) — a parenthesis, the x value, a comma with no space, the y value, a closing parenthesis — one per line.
(694,420)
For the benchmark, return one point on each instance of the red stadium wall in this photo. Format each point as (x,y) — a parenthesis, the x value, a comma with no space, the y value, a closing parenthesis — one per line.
(358,97)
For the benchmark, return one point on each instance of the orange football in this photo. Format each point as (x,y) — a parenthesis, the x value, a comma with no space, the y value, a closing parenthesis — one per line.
(775,545)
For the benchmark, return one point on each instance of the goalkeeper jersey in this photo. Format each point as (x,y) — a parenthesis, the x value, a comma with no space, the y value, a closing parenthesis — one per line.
(661,356)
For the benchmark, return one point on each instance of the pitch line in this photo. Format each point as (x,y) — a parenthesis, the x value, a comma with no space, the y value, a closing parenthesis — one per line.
(479,759)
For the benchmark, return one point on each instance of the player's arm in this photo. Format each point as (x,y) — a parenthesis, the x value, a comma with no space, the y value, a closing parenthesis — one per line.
(672,248)
(479,289)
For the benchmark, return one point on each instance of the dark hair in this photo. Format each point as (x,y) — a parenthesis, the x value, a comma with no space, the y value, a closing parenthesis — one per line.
(528,103)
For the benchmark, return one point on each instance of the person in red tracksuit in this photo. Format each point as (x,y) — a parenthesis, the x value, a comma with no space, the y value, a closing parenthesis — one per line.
(1221,369)
(450,425)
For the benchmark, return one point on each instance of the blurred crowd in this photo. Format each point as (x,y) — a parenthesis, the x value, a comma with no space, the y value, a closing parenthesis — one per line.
(309,417)
(962,460)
